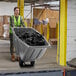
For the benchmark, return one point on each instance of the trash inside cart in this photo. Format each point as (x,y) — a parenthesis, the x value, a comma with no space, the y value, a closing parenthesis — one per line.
(29,44)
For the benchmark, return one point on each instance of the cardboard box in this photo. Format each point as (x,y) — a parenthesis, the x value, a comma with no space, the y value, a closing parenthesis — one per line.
(28,22)
(52,22)
(1,19)
(37,27)
(1,30)
(53,33)
(6,19)
(6,31)
(53,41)
(45,13)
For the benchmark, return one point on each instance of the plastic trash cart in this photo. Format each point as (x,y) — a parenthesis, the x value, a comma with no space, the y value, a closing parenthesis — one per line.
(26,52)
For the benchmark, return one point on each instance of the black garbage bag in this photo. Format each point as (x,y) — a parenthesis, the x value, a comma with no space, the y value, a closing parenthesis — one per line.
(32,38)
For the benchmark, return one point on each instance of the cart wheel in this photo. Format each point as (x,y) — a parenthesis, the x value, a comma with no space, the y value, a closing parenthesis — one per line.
(32,63)
(20,63)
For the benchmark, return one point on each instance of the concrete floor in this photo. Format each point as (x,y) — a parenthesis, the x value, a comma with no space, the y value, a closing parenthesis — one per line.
(47,62)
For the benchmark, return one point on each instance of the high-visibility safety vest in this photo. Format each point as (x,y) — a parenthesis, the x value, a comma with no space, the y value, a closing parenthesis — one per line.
(16,22)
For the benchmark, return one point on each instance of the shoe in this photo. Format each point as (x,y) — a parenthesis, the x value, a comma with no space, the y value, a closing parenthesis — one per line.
(17,58)
(13,57)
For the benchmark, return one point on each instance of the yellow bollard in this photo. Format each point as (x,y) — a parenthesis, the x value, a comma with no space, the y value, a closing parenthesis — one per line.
(48,32)
(22,8)
(31,23)
(62,46)
(25,23)
(18,3)
(57,30)
(41,29)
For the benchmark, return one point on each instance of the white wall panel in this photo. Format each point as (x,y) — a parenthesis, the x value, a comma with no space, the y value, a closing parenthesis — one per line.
(71,55)
(72,47)
(71,30)
(72,26)
(6,8)
(71,18)
(73,12)
(71,40)
(71,33)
